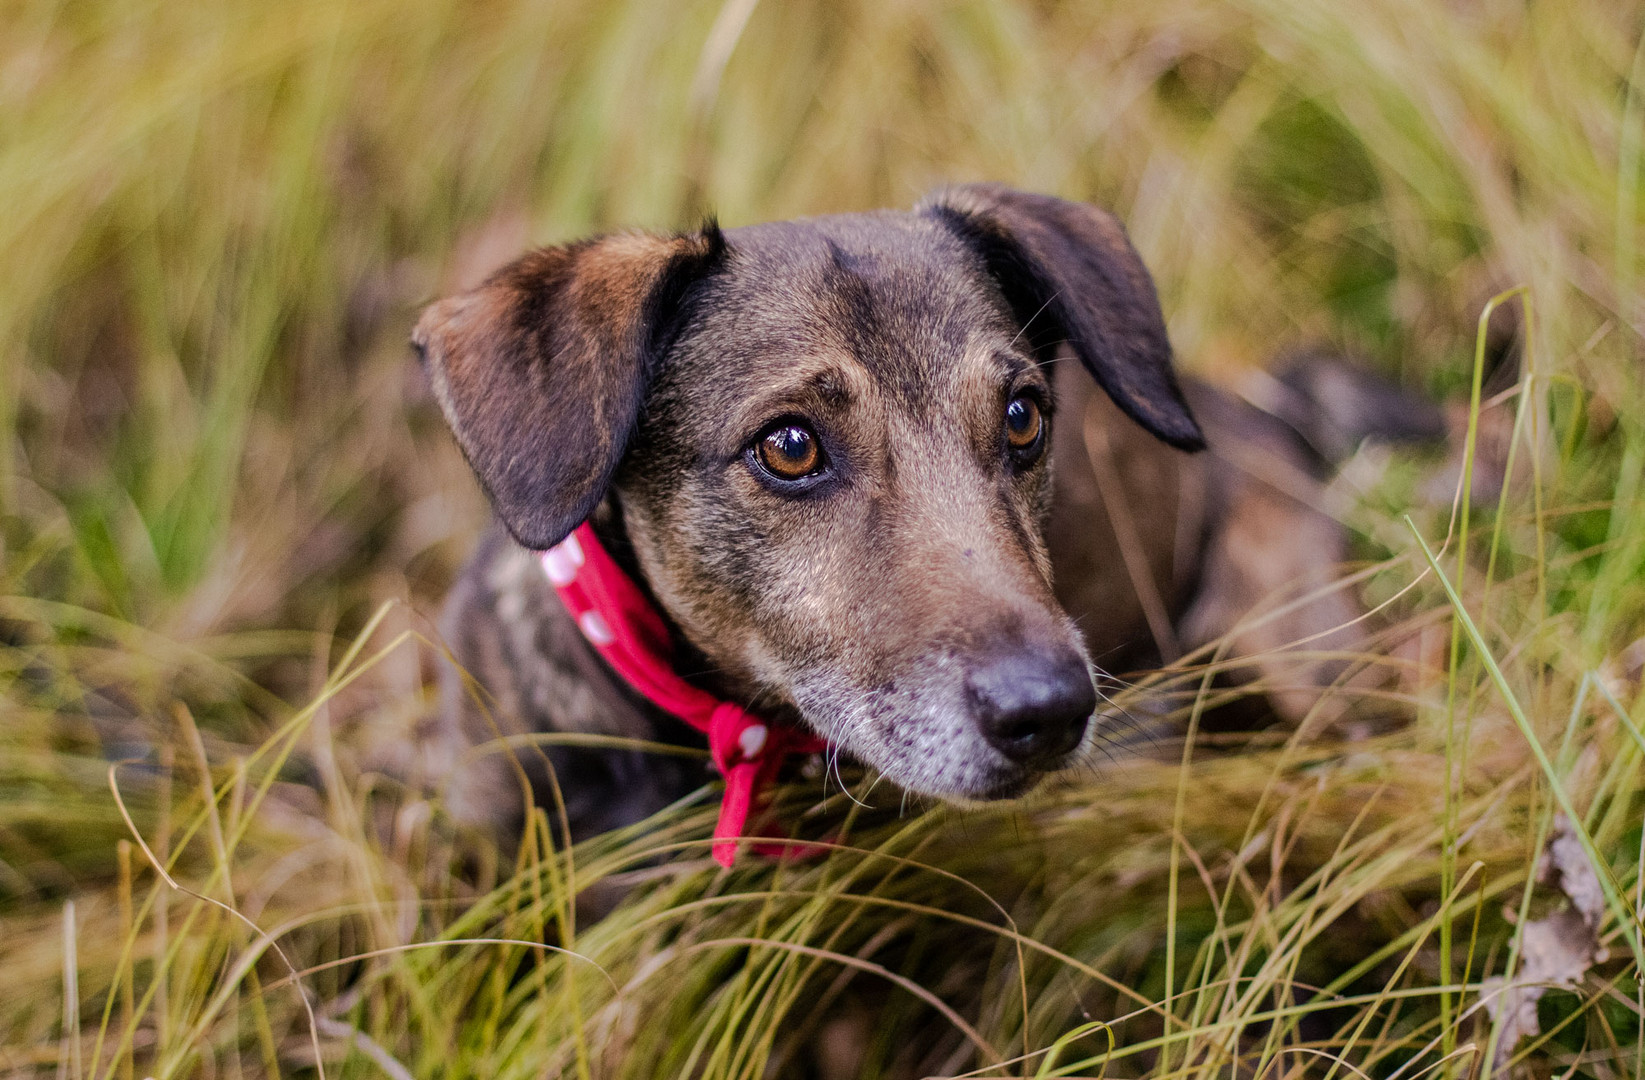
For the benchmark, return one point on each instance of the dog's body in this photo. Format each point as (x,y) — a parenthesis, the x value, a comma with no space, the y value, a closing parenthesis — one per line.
(824,448)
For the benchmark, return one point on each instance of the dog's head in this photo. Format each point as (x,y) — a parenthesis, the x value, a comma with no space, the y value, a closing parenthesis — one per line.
(828,442)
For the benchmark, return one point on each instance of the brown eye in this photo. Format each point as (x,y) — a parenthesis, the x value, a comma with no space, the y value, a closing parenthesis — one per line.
(789,452)
(1023,425)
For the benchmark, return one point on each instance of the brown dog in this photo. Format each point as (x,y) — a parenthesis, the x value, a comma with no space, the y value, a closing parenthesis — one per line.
(825,447)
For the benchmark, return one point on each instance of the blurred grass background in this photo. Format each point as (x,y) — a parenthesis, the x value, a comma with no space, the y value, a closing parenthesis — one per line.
(218,464)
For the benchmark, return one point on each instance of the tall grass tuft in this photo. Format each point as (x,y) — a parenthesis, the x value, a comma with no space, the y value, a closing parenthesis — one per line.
(227,508)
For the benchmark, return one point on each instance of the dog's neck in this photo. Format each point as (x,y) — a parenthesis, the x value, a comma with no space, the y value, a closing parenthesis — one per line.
(608,524)
(610,527)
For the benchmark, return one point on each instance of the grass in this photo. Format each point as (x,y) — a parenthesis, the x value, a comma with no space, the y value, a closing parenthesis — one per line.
(227,509)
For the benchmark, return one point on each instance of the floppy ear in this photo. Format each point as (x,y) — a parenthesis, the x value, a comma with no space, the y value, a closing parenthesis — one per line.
(1070,274)
(541,370)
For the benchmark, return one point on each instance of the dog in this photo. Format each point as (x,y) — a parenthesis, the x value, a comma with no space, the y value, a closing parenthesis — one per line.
(911,481)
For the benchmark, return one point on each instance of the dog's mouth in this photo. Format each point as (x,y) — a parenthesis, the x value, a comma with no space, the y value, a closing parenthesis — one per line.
(992,784)
(1006,788)
(959,767)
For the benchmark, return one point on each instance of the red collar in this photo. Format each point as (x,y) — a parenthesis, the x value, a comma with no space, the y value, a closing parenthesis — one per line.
(626,630)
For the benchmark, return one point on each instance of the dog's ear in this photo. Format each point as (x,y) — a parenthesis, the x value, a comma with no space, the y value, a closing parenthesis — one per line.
(541,371)
(1070,274)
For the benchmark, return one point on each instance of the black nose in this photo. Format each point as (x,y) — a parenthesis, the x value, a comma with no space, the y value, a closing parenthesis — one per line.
(1032,706)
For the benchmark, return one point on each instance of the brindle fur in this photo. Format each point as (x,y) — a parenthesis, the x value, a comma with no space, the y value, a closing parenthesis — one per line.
(623,380)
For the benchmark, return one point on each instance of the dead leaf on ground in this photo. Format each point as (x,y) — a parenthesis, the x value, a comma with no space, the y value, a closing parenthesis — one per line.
(1554,951)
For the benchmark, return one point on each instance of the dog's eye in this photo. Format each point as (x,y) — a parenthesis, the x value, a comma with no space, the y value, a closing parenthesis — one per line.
(789,452)
(1024,428)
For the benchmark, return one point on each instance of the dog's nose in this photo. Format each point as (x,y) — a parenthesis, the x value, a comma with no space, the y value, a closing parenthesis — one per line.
(1033,706)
